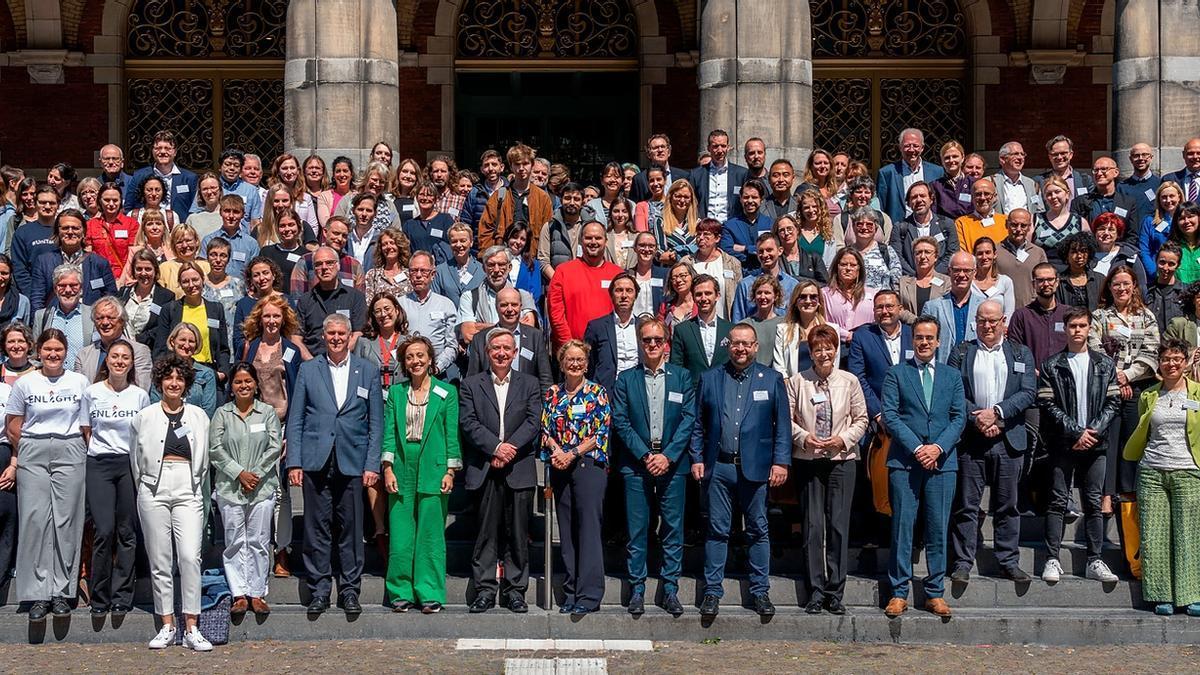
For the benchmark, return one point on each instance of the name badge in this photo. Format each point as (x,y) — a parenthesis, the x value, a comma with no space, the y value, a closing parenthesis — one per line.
(1162,227)
(628,243)
(819,398)
(578,410)
(656,282)
(1149,194)
(936,281)
(1059,327)
(526,354)
(908,354)
(435,233)
(1018,367)
(737,189)
(1102,267)
(226,292)
(1036,201)
(728,274)
(154,308)
(344,312)
(578,250)
(183,188)
(1189,404)
(1080,191)
(1021,255)
(121,234)
(402,276)
(761,395)
(964,197)
(605,283)
(293,257)
(97,284)
(675,397)
(239,256)
(288,355)
(409,208)
(1124,331)
(940,237)
(464,277)
(182,431)
(347,282)
(441,393)
(214,323)
(258,428)
(362,393)
(1121,213)
(988,222)
(437,316)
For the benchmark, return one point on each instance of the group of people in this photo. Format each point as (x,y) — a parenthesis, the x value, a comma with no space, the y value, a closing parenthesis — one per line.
(696,337)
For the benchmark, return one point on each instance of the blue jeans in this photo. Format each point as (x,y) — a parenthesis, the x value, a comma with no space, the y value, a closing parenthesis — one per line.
(724,486)
(931,494)
(641,491)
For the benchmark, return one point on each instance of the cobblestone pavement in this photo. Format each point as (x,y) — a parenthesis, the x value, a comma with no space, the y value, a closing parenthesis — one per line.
(430,656)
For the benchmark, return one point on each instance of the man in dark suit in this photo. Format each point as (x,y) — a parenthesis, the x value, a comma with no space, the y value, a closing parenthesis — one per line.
(1061,150)
(718,184)
(334,434)
(741,444)
(653,410)
(180,183)
(1188,177)
(1141,183)
(875,348)
(702,342)
(892,178)
(500,412)
(1000,382)
(924,410)
(923,222)
(658,152)
(613,337)
(1103,197)
(532,356)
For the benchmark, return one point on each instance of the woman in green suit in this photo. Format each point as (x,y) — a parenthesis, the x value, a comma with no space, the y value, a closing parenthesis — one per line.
(420,456)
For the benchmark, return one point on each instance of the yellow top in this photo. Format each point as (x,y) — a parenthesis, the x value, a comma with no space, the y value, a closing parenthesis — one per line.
(198,317)
(168,275)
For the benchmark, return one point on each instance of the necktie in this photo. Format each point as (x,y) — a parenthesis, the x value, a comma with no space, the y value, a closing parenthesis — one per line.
(1194,187)
(927,384)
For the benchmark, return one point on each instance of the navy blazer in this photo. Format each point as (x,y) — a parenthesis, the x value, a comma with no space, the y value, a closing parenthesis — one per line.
(738,231)
(184,190)
(479,416)
(913,424)
(889,186)
(291,364)
(97,278)
(766,431)
(736,176)
(316,424)
(869,361)
(631,418)
(533,358)
(1020,393)
(601,334)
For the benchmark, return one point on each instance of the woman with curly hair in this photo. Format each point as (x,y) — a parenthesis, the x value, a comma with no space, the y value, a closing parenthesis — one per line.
(389,264)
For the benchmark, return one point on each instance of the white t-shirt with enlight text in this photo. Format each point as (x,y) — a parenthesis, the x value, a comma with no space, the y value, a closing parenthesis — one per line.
(110,415)
(49,405)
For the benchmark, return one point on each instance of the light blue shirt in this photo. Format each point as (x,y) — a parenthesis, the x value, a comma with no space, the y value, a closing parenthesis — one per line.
(71,324)
(243,249)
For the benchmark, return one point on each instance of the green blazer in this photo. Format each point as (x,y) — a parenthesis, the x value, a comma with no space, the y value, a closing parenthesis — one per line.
(1141,434)
(438,448)
(687,347)
(1183,328)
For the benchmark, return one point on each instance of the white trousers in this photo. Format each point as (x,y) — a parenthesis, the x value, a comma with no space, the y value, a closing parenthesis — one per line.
(247,556)
(172,516)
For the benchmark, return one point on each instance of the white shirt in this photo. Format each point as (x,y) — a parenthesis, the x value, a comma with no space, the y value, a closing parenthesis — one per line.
(501,397)
(1079,363)
(644,303)
(910,177)
(49,406)
(708,336)
(110,415)
(340,374)
(991,375)
(893,345)
(718,196)
(1014,194)
(923,228)
(627,348)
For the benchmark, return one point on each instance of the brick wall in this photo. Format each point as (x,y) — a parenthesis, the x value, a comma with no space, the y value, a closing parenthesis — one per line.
(1089,22)
(33,129)
(675,114)
(91,22)
(420,115)
(12,25)
(1033,114)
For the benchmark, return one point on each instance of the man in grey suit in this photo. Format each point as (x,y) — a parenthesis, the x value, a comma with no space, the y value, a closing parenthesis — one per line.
(1000,383)
(955,311)
(333,436)
(108,318)
(1015,190)
(500,414)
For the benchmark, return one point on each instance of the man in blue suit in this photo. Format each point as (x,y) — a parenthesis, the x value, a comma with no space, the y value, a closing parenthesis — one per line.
(181,183)
(613,337)
(925,411)
(1000,383)
(955,311)
(741,444)
(653,411)
(334,436)
(875,348)
(1188,177)
(894,179)
(718,184)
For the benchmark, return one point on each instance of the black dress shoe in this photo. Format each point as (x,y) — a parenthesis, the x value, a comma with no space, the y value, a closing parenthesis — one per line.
(1016,574)
(961,575)
(637,604)
(38,611)
(517,604)
(566,608)
(580,610)
(350,605)
(60,607)
(710,605)
(762,605)
(835,606)
(96,611)
(119,610)
(814,606)
(672,605)
(482,604)
(318,605)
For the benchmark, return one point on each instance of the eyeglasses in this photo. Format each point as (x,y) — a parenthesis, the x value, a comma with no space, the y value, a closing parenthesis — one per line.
(743,343)
(653,340)
(1045,281)
(1173,360)
(1104,169)
(988,322)
(809,296)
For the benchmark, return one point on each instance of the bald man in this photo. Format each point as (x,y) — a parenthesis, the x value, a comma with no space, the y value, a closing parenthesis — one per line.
(1141,183)
(1189,176)
(112,166)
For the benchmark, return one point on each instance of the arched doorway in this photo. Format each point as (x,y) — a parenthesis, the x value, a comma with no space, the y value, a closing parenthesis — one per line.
(880,66)
(560,75)
(209,70)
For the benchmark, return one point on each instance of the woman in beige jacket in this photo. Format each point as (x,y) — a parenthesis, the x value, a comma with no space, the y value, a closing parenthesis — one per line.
(829,416)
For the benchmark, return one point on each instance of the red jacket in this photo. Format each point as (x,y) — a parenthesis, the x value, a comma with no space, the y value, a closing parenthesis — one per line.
(112,241)
(578,293)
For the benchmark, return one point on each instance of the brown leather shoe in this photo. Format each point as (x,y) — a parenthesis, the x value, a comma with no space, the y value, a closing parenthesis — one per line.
(239,607)
(895,607)
(282,570)
(260,606)
(938,607)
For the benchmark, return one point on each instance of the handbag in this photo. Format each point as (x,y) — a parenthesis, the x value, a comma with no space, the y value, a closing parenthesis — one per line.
(877,471)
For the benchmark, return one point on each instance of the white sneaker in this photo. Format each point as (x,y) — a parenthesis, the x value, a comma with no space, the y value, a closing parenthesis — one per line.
(193,640)
(1052,572)
(1099,571)
(165,637)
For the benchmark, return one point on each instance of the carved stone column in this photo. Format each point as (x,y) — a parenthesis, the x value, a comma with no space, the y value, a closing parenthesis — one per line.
(341,78)
(755,75)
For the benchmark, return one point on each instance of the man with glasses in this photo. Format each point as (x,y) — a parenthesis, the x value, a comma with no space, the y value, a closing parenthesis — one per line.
(66,311)
(876,347)
(431,315)
(180,183)
(1039,325)
(894,179)
(999,381)
(112,167)
(337,235)
(1141,183)
(1016,255)
(1104,197)
(741,445)
(658,151)
(653,413)
(955,311)
(330,297)
(1015,190)
(983,221)
(477,307)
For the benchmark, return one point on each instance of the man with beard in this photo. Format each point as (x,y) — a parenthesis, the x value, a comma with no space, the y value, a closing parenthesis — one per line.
(440,171)
(1039,324)
(923,222)
(520,200)
(1141,183)
(755,154)
(578,291)
(559,240)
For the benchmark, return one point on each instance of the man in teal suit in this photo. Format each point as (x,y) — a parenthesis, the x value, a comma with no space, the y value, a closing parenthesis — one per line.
(653,410)
(925,409)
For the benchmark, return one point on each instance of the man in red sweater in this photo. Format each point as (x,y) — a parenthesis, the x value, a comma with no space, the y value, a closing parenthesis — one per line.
(579,288)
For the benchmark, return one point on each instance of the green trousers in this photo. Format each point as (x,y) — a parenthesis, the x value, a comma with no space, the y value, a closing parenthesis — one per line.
(416,568)
(1169,506)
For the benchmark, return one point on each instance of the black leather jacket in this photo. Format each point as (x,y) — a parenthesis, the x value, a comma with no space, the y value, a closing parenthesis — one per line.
(1056,399)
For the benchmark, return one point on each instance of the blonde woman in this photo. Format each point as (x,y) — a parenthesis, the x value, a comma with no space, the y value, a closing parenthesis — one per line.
(185,244)
(678,236)
(1057,222)
(152,235)
(805,311)
(1156,228)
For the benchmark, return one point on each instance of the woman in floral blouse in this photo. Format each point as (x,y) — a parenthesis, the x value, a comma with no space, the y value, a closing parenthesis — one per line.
(575,428)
